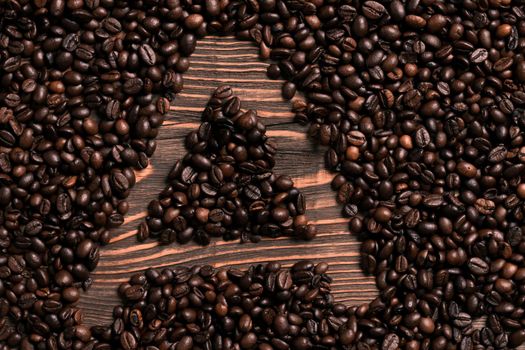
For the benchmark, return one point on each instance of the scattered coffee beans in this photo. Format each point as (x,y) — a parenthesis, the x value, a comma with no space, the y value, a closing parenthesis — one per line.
(225,186)
(421,105)
(77,115)
(266,307)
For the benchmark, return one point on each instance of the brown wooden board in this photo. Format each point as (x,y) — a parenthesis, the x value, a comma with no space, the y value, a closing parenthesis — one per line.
(216,61)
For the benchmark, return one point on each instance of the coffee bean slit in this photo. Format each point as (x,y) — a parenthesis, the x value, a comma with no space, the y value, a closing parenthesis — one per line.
(420,104)
(225,186)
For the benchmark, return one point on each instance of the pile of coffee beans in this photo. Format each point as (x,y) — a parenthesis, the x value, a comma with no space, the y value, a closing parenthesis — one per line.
(266,307)
(77,116)
(422,106)
(225,185)
(420,102)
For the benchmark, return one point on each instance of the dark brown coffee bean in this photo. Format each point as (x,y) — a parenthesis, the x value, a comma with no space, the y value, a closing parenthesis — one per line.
(70,42)
(284,280)
(133,86)
(478,266)
(119,182)
(134,293)
(390,342)
(128,341)
(466,169)
(112,25)
(462,320)
(422,138)
(7,139)
(288,90)
(478,56)
(373,10)
(147,54)
(497,154)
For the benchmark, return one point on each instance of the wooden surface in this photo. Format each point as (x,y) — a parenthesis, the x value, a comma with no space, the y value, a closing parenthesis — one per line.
(219,61)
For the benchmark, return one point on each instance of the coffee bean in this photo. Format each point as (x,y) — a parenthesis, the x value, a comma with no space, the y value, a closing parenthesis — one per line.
(485,206)
(128,341)
(133,86)
(478,56)
(462,320)
(288,91)
(517,338)
(422,138)
(188,43)
(7,139)
(119,182)
(466,169)
(134,293)
(284,280)
(70,42)
(63,203)
(373,10)
(112,25)
(356,138)
(147,54)
(478,266)
(11,64)
(390,342)
(163,105)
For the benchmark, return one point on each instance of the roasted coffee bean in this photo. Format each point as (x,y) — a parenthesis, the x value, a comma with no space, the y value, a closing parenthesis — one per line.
(391,342)
(128,341)
(373,10)
(71,42)
(478,56)
(147,54)
(478,266)
(289,90)
(422,138)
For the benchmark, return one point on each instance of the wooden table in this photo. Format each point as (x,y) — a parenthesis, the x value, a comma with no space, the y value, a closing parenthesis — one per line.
(227,61)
